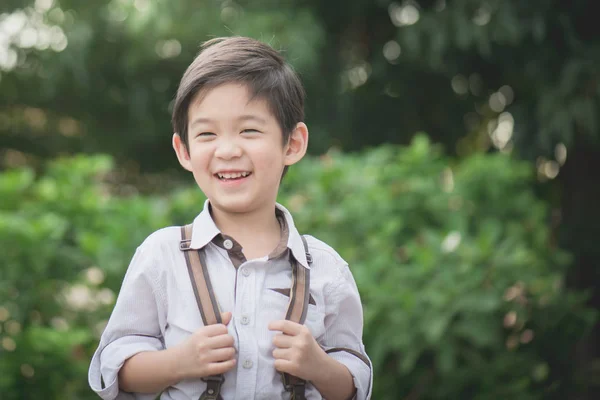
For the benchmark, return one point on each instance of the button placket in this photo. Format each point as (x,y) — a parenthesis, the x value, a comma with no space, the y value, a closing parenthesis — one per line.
(244,305)
(245,293)
(245,308)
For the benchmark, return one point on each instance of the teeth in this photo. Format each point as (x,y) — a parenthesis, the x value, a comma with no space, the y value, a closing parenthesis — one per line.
(234,175)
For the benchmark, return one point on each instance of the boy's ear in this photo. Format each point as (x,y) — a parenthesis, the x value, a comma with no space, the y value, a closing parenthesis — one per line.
(297,144)
(182,153)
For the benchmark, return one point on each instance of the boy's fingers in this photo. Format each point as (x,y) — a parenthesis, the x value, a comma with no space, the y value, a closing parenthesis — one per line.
(226,317)
(222,354)
(285,326)
(283,366)
(220,367)
(281,354)
(220,341)
(283,341)
(214,330)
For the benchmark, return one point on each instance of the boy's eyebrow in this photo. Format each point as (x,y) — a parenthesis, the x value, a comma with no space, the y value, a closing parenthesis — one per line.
(248,117)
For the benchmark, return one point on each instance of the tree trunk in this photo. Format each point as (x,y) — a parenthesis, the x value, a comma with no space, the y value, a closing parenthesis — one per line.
(580,234)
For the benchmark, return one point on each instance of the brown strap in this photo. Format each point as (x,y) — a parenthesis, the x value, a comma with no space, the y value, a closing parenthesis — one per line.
(213,388)
(205,296)
(205,299)
(296,312)
(355,353)
(299,294)
(209,309)
(295,386)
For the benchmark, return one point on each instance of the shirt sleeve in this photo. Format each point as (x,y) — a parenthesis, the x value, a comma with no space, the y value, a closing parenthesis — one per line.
(343,332)
(133,327)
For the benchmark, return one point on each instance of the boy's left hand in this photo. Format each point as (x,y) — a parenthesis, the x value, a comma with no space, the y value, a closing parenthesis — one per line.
(297,352)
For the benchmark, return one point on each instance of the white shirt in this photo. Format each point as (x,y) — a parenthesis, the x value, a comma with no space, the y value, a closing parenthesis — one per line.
(156,309)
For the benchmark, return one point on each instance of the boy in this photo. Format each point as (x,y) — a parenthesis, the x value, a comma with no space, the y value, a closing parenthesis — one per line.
(238,125)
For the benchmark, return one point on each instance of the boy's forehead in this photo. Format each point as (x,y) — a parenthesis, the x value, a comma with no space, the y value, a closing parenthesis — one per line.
(237,97)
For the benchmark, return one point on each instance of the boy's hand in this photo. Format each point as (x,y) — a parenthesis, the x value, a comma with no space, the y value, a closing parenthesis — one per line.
(208,351)
(297,352)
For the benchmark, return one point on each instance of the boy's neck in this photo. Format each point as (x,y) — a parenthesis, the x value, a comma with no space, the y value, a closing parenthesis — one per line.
(257,232)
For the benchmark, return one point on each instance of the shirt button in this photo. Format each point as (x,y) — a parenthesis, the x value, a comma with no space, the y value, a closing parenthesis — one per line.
(246,272)
(245,320)
(248,364)
(228,244)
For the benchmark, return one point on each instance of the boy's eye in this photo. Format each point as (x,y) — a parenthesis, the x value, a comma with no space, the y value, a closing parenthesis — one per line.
(205,134)
(250,131)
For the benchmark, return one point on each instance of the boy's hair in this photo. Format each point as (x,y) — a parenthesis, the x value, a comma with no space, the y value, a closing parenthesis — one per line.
(247,61)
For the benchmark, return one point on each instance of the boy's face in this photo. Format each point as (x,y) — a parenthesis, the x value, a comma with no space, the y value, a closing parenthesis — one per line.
(236,150)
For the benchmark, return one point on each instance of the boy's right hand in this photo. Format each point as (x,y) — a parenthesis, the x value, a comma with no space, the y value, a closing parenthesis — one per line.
(208,351)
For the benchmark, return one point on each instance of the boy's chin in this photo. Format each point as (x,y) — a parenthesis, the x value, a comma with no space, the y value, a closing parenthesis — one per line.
(236,206)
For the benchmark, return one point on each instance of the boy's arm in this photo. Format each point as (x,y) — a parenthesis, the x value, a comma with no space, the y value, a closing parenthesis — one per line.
(298,353)
(335,380)
(343,332)
(150,371)
(208,351)
(132,357)
(341,369)
(133,327)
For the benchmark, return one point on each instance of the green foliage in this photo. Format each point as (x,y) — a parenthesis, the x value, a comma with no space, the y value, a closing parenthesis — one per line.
(53,230)
(124,59)
(462,285)
(460,278)
(111,88)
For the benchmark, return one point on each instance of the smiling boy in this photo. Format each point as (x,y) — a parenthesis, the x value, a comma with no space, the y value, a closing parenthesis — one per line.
(238,122)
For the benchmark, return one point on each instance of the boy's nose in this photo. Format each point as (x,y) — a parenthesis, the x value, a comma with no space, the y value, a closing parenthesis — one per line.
(228,149)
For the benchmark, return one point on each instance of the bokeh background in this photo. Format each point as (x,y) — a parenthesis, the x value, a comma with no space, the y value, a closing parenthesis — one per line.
(455,165)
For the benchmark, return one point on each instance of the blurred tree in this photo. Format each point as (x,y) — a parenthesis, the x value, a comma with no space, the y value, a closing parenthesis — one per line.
(513,75)
(477,75)
(461,287)
(100,76)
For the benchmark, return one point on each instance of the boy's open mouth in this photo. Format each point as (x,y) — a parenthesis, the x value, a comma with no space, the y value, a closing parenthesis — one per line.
(232,176)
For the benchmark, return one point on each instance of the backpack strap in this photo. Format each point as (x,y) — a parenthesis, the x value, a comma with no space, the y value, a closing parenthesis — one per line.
(205,298)
(296,312)
(209,309)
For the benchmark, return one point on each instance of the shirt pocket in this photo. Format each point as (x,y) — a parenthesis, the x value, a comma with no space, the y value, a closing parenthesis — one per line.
(274,305)
(181,323)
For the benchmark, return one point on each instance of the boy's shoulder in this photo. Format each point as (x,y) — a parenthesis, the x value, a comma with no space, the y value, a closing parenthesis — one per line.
(162,239)
(329,269)
(322,252)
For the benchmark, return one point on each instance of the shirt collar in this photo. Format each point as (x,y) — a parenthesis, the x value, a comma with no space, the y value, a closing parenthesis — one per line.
(294,243)
(205,230)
